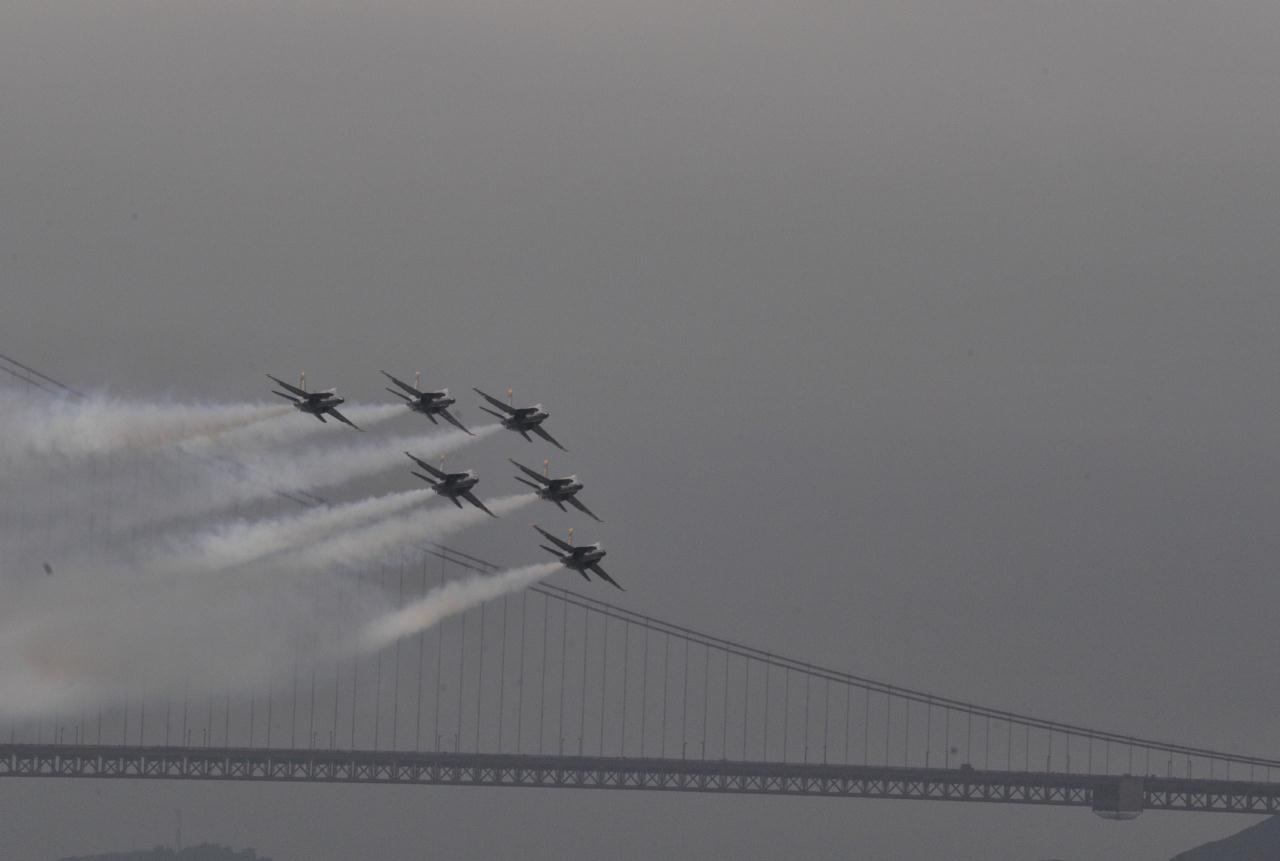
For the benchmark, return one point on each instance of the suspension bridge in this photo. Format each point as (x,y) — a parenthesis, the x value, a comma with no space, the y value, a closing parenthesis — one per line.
(552,688)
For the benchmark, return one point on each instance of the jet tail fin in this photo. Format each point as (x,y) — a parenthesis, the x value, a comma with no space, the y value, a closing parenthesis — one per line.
(428,467)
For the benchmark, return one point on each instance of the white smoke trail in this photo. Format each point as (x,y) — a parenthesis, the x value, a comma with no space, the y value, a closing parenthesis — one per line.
(100,424)
(242,541)
(131,609)
(294,426)
(450,599)
(358,545)
(97,628)
(327,466)
(212,483)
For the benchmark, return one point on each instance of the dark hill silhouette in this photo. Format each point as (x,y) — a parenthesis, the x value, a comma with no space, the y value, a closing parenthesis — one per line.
(1259,842)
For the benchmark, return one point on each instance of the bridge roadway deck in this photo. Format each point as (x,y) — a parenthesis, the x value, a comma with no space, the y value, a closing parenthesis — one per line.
(587,772)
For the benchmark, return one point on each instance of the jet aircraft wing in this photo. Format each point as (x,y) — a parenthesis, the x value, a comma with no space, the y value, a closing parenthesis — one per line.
(538,477)
(599,572)
(563,545)
(573,500)
(506,408)
(548,437)
(297,391)
(340,417)
(402,384)
(438,473)
(449,417)
(471,497)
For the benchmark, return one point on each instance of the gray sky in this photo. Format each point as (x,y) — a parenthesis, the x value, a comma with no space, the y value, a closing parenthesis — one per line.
(932,341)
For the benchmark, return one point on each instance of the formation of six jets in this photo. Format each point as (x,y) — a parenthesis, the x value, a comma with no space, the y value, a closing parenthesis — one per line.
(459,486)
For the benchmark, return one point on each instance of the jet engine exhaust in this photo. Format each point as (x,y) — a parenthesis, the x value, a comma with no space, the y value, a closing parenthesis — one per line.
(448,600)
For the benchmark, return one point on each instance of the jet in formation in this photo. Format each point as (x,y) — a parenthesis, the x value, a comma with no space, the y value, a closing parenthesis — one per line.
(315,403)
(522,420)
(581,559)
(451,485)
(557,490)
(430,404)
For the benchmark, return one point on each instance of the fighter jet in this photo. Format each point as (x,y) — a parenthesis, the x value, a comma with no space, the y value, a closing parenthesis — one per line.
(430,404)
(581,559)
(558,490)
(314,403)
(451,485)
(522,420)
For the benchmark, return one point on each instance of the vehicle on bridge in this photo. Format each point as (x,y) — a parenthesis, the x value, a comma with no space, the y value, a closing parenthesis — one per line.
(582,559)
(317,404)
(429,403)
(557,490)
(522,420)
(451,485)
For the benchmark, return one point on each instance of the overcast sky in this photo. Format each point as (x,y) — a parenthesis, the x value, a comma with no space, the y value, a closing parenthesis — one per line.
(934,341)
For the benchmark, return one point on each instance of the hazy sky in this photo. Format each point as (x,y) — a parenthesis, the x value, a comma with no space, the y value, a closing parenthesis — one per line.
(935,341)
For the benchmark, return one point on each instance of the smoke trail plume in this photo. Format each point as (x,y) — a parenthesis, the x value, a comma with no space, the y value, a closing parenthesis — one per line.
(293,426)
(448,600)
(137,600)
(206,483)
(100,424)
(242,541)
(98,629)
(326,466)
(358,545)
